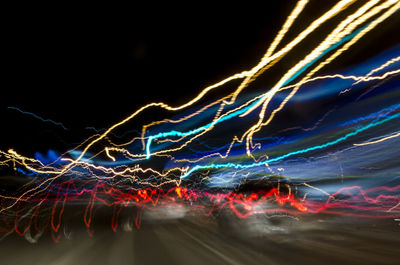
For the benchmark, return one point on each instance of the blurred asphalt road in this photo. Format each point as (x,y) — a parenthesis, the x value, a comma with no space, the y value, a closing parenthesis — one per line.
(317,241)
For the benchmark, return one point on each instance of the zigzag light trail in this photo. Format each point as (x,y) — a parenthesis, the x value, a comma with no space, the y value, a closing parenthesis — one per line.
(244,110)
(314,55)
(336,9)
(240,166)
(285,129)
(299,68)
(39,118)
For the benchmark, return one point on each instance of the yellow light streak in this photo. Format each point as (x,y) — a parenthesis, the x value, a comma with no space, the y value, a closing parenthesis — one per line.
(383,66)
(337,33)
(340,6)
(379,140)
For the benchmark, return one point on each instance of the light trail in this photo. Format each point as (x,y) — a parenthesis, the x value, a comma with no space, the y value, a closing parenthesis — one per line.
(39,118)
(379,140)
(240,166)
(331,13)
(200,159)
(383,66)
(243,111)
(335,36)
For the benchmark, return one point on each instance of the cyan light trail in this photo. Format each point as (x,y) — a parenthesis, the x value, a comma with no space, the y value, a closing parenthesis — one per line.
(195,131)
(241,166)
(334,46)
(243,110)
(284,140)
(339,135)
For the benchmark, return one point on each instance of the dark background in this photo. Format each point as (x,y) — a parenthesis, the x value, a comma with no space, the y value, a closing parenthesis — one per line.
(93,66)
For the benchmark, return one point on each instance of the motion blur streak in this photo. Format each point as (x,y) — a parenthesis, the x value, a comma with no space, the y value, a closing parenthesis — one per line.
(279,141)
(379,140)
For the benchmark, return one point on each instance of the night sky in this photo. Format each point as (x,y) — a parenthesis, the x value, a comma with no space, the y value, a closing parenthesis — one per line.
(90,66)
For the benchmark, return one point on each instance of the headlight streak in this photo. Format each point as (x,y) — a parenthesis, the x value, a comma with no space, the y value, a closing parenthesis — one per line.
(202,173)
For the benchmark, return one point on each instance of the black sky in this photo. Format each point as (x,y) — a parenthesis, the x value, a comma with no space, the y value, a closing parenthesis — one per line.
(90,66)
